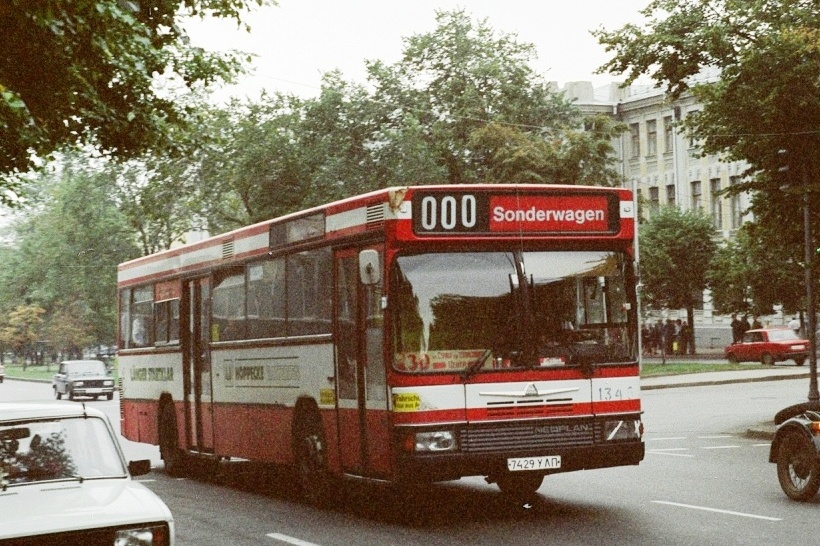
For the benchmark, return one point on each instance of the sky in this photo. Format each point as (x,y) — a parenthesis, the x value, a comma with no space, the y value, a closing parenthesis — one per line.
(299,40)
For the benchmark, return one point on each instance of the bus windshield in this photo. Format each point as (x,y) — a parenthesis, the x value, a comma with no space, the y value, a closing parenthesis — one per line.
(473,311)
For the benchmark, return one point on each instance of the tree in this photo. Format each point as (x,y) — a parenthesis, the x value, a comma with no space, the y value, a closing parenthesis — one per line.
(753,272)
(67,250)
(676,248)
(86,70)
(21,328)
(463,77)
(763,106)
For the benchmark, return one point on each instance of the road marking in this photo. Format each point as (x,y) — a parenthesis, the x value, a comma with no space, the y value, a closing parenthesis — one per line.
(714,437)
(290,540)
(719,447)
(668,452)
(717,510)
(669,438)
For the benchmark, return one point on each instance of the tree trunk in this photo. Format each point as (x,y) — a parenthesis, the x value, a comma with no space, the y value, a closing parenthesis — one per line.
(690,319)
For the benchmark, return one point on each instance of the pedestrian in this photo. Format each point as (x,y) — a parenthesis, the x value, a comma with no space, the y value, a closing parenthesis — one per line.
(744,325)
(794,324)
(685,338)
(669,337)
(736,330)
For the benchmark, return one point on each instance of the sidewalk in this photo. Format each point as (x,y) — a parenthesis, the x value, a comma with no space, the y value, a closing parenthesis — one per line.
(761,431)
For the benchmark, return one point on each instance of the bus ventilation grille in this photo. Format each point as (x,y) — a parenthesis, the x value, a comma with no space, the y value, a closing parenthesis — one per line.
(530,435)
(375,216)
(227,250)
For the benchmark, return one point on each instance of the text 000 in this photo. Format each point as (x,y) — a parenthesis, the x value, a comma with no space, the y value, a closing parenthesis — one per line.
(548,462)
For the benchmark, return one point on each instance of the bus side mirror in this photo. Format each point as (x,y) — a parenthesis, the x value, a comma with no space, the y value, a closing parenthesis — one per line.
(369,269)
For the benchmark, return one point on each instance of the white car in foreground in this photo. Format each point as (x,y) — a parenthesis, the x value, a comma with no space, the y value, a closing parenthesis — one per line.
(64,480)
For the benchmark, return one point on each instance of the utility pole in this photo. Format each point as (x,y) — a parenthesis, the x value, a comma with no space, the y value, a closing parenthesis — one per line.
(814,395)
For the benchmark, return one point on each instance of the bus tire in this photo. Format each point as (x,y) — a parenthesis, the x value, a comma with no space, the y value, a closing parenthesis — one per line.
(169,443)
(519,484)
(310,453)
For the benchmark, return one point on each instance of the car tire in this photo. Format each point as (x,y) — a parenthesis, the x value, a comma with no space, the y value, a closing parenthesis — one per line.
(70,394)
(110,396)
(732,358)
(798,468)
(800,360)
(767,359)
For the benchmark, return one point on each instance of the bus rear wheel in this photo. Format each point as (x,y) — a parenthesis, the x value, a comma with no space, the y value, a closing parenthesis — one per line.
(169,444)
(519,483)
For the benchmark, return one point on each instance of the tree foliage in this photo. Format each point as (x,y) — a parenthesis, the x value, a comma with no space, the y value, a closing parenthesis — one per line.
(762,107)
(462,76)
(67,250)
(86,70)
(676,248)
(20,328)
(462,105)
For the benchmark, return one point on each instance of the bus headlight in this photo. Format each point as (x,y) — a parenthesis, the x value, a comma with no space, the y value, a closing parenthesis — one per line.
(624,429)
(435,442)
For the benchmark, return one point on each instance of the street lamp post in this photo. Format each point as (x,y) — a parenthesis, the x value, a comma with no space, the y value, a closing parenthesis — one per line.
(814,395)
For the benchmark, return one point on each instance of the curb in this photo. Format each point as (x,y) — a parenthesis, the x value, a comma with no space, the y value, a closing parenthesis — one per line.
(707,382)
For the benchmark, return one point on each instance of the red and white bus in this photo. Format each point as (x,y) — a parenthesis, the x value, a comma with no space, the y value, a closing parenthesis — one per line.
(418,333)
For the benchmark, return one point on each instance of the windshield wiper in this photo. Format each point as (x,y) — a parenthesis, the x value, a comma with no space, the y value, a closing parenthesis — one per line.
(476,365)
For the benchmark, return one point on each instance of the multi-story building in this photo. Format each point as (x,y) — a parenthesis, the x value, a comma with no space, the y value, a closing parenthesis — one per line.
(666,167)
(662,163)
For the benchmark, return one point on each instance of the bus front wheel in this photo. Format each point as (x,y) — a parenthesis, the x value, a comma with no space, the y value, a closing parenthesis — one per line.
(519,483)
(310,452)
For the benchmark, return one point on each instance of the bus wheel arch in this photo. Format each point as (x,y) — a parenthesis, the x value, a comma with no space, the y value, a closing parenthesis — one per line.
(519,484)
(169,449)
(310,452)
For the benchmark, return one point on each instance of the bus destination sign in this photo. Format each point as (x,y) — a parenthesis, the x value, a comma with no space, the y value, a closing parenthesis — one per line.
(437,213)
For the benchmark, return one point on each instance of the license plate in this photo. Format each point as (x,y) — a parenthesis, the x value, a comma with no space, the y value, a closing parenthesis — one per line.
(548,462)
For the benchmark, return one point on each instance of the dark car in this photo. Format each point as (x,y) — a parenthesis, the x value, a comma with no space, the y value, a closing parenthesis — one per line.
(769,345)
(83,378)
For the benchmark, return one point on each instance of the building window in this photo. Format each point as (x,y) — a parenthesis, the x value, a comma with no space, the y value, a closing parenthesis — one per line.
(651,138)
(668,134)
(737,209)
(670,194)
(693,142)
(654,200)
(635,140)
(697,197)
(717,203)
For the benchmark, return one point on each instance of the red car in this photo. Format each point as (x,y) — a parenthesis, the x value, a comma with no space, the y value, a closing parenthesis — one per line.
(769,345)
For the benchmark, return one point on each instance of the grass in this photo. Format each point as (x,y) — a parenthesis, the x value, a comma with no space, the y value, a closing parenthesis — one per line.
(649,369)
(681,368)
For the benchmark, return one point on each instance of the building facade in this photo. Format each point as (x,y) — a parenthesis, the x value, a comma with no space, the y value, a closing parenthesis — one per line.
(665,167)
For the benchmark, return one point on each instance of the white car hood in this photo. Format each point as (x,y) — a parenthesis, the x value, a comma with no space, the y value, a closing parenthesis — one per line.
(55,507)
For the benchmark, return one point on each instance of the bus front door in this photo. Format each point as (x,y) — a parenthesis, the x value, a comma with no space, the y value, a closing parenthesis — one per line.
(361,391)
(198,393)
